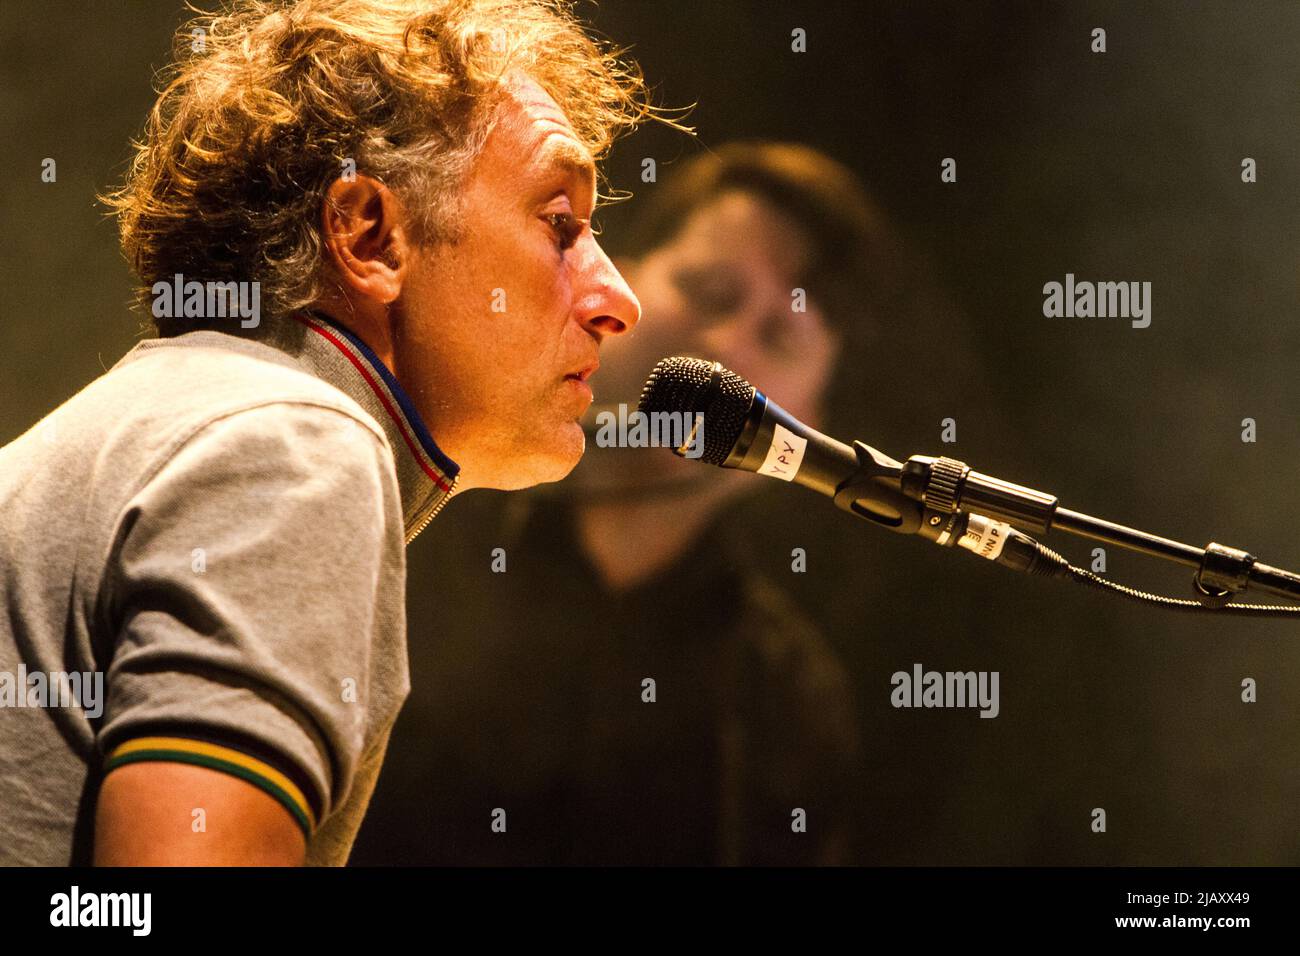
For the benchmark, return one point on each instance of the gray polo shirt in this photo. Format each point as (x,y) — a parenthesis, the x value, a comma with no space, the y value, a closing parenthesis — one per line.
(202,560)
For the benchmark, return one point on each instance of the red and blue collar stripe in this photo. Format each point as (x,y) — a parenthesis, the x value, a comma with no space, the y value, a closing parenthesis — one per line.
(440,469)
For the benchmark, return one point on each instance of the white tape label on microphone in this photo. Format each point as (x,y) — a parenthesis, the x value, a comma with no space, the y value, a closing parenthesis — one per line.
(985,536)
(784,455)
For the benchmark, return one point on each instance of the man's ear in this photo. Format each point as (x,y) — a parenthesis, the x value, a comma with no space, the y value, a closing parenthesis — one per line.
(365,237)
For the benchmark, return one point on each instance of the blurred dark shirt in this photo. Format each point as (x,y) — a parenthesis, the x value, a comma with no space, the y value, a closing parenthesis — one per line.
(529,697)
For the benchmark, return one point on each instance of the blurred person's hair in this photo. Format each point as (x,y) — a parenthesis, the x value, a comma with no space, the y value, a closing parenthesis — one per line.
(265,104)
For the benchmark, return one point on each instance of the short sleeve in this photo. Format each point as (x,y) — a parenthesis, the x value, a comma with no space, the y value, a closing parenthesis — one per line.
(255,594)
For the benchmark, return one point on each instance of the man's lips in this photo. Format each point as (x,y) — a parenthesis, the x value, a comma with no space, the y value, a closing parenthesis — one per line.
(584,373)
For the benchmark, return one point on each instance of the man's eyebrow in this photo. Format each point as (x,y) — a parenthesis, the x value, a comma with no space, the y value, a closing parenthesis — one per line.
(565,156)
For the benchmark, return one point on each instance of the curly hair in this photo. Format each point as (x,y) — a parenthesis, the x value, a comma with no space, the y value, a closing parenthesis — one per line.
(269,100)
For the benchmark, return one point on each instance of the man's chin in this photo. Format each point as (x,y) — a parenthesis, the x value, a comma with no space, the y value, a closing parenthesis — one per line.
(554,462)
(571,445)
(636,473)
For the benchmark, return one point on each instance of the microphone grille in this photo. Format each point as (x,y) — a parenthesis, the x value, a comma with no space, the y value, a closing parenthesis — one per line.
(694,386)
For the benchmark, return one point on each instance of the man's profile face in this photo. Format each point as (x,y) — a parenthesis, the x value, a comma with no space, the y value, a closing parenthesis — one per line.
(499,329)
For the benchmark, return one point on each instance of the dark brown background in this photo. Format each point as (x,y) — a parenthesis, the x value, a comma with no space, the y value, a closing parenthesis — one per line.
(1118,166)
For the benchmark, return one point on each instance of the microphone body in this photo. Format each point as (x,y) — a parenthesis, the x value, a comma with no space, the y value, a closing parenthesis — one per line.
(744,429)
(773,442)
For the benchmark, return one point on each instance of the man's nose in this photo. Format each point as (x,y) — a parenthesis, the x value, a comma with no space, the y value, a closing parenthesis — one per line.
(606,304)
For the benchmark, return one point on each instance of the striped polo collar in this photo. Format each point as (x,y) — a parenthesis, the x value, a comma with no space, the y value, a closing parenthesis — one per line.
(320,346)
(425,475)
(316,344)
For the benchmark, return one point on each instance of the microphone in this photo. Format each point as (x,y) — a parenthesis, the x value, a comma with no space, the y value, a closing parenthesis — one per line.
(940,499)
(744,429)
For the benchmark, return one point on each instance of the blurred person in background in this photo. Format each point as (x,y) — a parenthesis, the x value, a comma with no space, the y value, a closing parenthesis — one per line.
(541,740)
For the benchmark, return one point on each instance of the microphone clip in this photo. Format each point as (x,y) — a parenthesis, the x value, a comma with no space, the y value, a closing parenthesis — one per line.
(874,493)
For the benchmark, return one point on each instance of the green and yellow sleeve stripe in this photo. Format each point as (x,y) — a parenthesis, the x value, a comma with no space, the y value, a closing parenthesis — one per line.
(216,757)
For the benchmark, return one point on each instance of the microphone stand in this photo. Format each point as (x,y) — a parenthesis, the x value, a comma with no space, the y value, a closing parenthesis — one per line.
(945,501)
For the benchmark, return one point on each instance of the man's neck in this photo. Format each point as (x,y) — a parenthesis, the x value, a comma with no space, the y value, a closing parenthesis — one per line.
(372,327)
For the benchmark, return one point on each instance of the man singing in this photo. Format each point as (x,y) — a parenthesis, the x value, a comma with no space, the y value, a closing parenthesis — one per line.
(214,530)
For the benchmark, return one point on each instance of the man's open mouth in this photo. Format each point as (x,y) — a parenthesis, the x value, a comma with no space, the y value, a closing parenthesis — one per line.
(584,373)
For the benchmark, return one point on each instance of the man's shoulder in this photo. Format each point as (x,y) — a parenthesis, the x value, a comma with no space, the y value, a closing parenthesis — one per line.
(208,374)
(207,364)
(204,397)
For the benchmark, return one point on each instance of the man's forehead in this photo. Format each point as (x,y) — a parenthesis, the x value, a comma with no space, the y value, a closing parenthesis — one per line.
(533,101)
(547,131)
(564,154)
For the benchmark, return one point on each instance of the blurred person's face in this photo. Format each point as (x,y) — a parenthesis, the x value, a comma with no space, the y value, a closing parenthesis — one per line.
(722,289)
(500,329)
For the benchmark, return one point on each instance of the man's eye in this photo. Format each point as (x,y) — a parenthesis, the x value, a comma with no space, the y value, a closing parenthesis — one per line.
(566,226)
